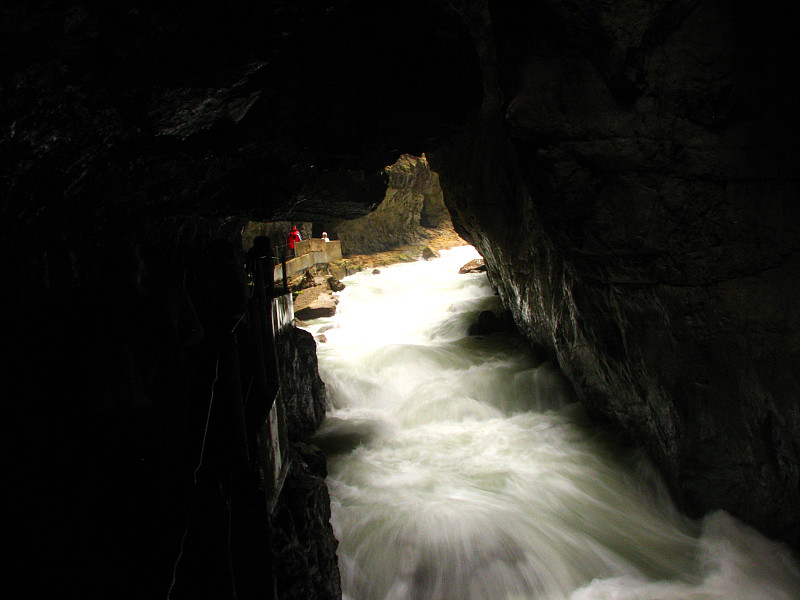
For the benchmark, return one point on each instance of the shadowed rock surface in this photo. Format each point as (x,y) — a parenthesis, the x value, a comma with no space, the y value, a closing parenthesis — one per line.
(630,183)
(302,390)
(305,548)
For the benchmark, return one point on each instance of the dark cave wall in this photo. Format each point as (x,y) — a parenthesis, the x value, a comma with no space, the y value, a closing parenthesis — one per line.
(632,185)
(270,110)
(144,387)
(136,140)
(303,391)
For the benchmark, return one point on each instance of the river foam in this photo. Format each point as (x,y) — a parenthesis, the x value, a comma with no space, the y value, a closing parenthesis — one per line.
(460,468)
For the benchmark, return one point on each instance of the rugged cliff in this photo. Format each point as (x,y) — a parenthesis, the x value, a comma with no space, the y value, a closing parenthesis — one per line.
(632,185)
(303,391)
(412,203)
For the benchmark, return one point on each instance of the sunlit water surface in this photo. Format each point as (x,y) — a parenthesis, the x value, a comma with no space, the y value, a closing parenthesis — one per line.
(461,469)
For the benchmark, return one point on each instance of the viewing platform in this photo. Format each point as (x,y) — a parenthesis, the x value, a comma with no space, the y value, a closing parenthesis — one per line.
(308,253)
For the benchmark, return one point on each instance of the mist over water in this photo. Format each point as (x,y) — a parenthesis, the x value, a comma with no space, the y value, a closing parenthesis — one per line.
(460,468)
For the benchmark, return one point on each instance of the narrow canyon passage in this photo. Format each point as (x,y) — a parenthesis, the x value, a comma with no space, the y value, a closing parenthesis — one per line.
(461,468)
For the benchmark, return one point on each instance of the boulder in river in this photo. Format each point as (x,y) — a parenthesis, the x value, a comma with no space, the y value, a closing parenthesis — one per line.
(488,323)
(428,253)
(474,266)
(335,284)
(323,305)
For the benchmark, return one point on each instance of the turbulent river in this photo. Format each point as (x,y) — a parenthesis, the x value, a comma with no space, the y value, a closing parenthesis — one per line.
(461,469)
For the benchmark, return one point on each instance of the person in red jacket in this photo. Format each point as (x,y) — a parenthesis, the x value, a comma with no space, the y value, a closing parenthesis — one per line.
(294,236)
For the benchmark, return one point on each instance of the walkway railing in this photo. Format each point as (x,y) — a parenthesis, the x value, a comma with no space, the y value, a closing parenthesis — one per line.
(270,313)
(242,459)
(307,254)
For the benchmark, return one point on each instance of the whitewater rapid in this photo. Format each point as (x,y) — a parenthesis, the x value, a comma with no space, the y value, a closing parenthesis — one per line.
(461,469)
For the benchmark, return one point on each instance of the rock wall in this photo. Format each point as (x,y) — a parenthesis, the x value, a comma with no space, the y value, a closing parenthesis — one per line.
(145,386)
(412,203)
(302,541)
(631,185)
(303,391)
(303,545)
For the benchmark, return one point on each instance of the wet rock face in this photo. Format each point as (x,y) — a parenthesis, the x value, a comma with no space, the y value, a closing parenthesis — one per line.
(630,184)
(302,390)
(303,542)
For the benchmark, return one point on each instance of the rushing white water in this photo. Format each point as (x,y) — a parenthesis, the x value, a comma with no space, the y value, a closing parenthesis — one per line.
(460,469)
